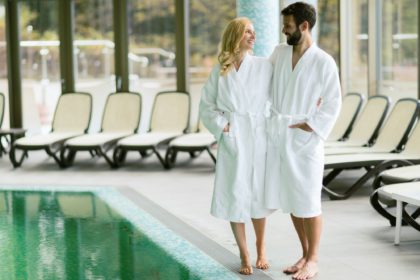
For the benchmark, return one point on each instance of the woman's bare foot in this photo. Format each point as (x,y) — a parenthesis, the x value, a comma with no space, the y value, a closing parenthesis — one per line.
(262,263)
(296,267)
(246,267)
(309,270)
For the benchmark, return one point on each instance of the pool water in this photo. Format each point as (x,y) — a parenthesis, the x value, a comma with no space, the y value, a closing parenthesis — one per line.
(77,235)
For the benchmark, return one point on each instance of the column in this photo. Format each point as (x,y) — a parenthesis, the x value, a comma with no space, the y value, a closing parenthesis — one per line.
(265,16)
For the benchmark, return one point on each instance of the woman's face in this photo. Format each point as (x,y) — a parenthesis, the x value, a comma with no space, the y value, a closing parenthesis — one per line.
(248,40)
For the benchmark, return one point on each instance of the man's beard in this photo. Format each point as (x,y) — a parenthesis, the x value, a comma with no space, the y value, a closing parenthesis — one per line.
(294,38)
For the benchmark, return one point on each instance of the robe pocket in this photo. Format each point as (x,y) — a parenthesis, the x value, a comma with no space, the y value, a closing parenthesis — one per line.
(301,137)
(229,143)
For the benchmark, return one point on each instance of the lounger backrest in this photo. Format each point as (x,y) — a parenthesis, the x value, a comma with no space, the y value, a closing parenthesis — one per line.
(72,113)
(171,112)
(398,125)
(350,108)
(371,118)
(413,144)
(122,112)
(202,128)
(1,108)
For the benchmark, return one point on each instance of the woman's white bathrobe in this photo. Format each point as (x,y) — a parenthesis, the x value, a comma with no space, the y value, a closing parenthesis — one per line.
(295,158)
(238,99)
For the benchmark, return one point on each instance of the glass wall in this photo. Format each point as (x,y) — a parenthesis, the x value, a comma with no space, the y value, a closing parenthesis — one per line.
(94,53)
(399,48)
(207,22)
(357,51)
(40,68)
(3,65)
(151,50)
(328,37)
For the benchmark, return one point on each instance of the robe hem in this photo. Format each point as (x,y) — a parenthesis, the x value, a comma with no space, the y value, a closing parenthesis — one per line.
(230,219)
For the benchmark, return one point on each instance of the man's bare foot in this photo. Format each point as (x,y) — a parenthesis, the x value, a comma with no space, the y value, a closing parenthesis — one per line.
(296,267)
(309,270)
(262,263)
(246,267)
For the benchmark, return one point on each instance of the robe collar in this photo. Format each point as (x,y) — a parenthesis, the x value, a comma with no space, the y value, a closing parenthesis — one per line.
(304,58)
(244,64)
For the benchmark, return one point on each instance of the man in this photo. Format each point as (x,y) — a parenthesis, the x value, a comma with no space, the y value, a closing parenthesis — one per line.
(306,100)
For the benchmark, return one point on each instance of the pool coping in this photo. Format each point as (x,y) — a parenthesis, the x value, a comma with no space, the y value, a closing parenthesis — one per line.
(189,233)
(204,257)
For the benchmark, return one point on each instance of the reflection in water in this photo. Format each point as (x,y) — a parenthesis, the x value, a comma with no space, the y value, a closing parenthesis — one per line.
(57,235)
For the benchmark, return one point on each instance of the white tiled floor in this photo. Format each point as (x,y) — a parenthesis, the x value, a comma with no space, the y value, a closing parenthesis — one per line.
(356,243)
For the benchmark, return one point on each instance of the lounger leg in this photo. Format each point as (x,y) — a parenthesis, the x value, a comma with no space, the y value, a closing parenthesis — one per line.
(103,153)
(211,155)
(53,154)
(359,183)
(12,155)
(119,156)
(410,219)
(331,176)
(162,161)
(170,157)
(374,201)
(398,225)
(67,159)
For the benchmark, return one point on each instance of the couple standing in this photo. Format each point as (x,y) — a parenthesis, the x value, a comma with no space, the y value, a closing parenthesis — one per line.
(270,154)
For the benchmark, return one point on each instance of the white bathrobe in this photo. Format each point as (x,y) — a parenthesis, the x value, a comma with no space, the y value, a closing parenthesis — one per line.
(239,99)
(295,158)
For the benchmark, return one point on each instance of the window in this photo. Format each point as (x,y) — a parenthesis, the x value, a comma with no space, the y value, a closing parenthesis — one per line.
(207,22)
(3,64)
(94,53)
(399,48)
(357,50)
(151,51)
(40,68)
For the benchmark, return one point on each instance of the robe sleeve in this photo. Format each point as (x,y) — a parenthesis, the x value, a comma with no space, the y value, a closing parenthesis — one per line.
(273,56)
(324,119)
(211,116)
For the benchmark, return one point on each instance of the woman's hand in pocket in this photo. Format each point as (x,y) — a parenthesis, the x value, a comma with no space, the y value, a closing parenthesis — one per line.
(226,129)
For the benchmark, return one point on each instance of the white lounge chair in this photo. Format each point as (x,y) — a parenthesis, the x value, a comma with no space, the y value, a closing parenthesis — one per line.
(120,119)
(392,135)
(367,125)
(170,118)
(404,193)
(374,163)
(71,118)
(351,105)
(193,143)
(382,203)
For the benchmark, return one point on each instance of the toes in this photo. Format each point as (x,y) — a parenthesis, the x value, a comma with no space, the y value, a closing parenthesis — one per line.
(246,270)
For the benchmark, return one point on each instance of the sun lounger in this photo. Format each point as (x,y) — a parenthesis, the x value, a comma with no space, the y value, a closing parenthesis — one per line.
(71,118)
(394,132)
(350,108)
(120,119)
(170,118)
(374,163)
(367,125)
(193,143)
(405,193)
(382,203)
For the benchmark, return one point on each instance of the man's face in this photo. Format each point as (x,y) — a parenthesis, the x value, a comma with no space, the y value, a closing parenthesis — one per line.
(291,31)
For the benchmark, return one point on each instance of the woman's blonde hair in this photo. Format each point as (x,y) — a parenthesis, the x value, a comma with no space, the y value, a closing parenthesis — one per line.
(230,44)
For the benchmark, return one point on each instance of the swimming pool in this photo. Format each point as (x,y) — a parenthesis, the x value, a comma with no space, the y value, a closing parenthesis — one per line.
(96,233)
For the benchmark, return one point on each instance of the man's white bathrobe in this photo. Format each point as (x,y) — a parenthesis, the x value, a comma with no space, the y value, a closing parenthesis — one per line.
(239,99)
(295,158)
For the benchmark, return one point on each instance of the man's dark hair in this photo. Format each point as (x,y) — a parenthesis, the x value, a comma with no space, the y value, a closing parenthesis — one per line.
(301,12)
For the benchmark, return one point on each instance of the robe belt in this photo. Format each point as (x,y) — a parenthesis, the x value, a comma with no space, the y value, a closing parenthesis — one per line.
(291,117)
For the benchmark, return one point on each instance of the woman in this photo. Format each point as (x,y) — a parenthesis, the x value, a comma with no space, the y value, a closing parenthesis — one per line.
(232,108)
